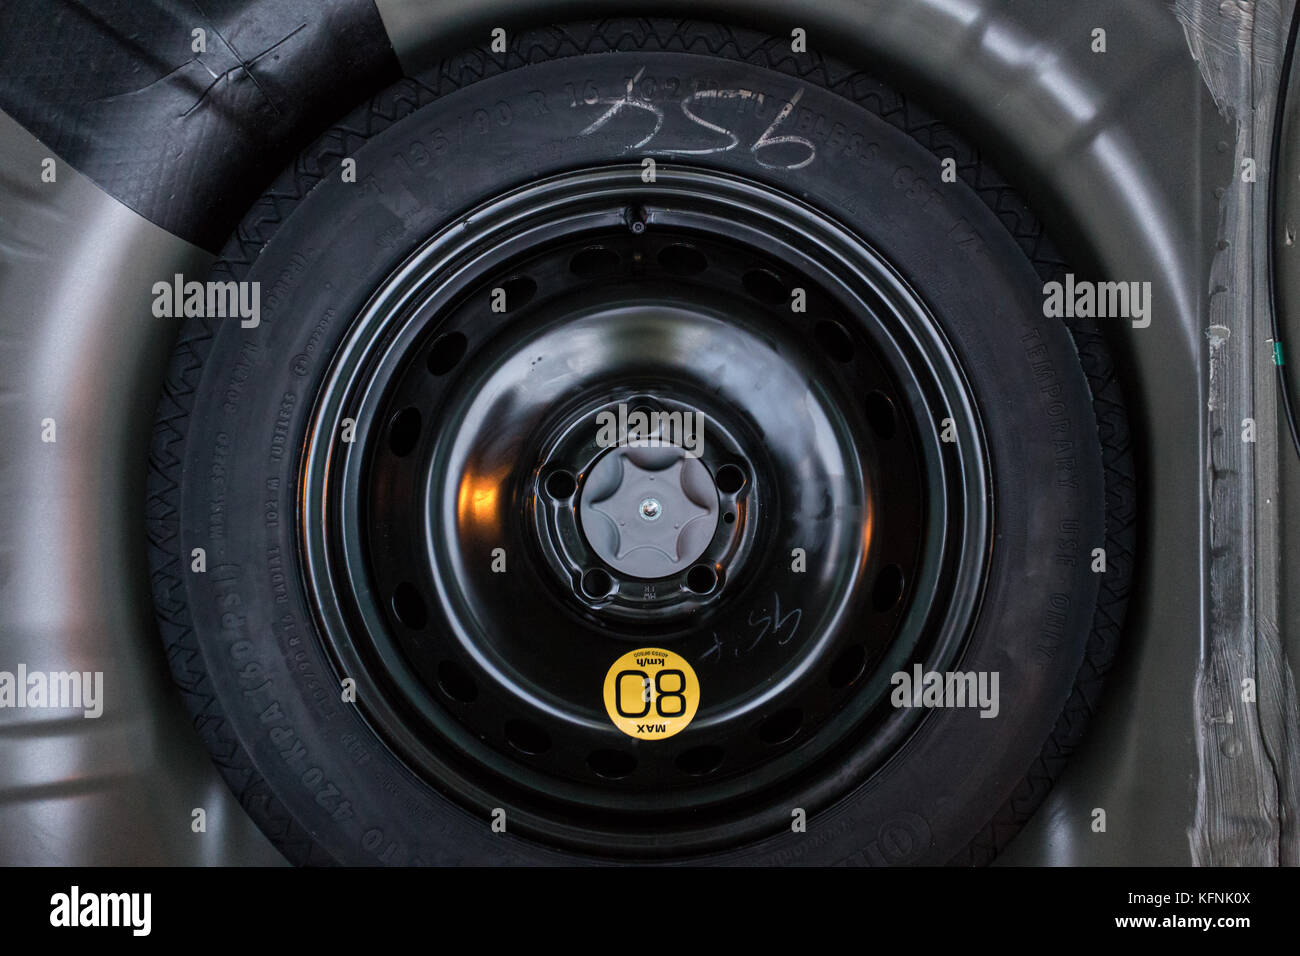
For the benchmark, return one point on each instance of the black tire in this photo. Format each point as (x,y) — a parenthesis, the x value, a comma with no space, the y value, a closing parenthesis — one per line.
(310,770)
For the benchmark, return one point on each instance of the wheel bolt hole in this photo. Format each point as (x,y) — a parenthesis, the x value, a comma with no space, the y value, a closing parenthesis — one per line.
(699,761)
(519,292)
(881,416)
(611,764)
(404,432)
(594,261)
(597,583)
(702,578)
(729,518)
(765,286)
(888,588)
(527,737)
(561,485)
(834,340)
(683,260)
(730,479)
(447,350)
(848,666)
(457,683)
(409,606)
(643,432)
(781,726)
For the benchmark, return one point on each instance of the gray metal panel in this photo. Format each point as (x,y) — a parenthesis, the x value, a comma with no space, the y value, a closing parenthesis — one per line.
(1287,244)
(1125,145)
(79,345)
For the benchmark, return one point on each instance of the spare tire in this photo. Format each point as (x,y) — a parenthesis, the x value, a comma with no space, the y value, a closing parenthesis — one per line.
(870,582)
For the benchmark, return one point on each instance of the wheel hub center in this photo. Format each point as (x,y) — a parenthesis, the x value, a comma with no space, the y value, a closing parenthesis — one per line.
(649,512)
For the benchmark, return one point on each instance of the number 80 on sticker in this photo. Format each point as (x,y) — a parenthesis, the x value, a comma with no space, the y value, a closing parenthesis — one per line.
(651,694)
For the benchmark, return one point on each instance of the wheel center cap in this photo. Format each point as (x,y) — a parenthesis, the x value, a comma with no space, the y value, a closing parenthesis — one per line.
(649,512)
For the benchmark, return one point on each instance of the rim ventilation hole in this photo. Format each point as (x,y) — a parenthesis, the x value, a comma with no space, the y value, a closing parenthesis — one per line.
(611,764)
(683,260)
(702,579)
(527,737)
(404,432)
(881,416)
(729,517)
(834,340)
(781,726)
(519,292)
(593,261)
(446,352)
(409,606)
(848,666)
(596,583)
(888,588)
(730,479)
(699,761)
(456,682)
(765,286)
(561,485)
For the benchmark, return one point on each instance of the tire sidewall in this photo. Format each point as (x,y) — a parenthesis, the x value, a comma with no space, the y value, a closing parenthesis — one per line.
(267,665)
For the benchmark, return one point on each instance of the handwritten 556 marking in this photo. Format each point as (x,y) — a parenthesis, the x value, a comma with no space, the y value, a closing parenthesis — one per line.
(631,99)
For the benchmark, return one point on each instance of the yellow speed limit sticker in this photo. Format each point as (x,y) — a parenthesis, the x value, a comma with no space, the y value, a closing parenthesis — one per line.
(651,694)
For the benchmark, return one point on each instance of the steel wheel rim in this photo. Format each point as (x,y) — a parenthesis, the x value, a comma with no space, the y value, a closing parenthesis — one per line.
(947,583)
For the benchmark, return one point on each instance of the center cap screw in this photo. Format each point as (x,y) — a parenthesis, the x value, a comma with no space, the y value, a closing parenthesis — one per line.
(651,509)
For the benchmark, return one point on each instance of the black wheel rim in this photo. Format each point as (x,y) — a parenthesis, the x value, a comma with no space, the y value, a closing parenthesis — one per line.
(472,430)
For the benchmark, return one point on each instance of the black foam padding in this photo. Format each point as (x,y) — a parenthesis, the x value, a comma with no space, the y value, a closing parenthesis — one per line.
(187,139)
